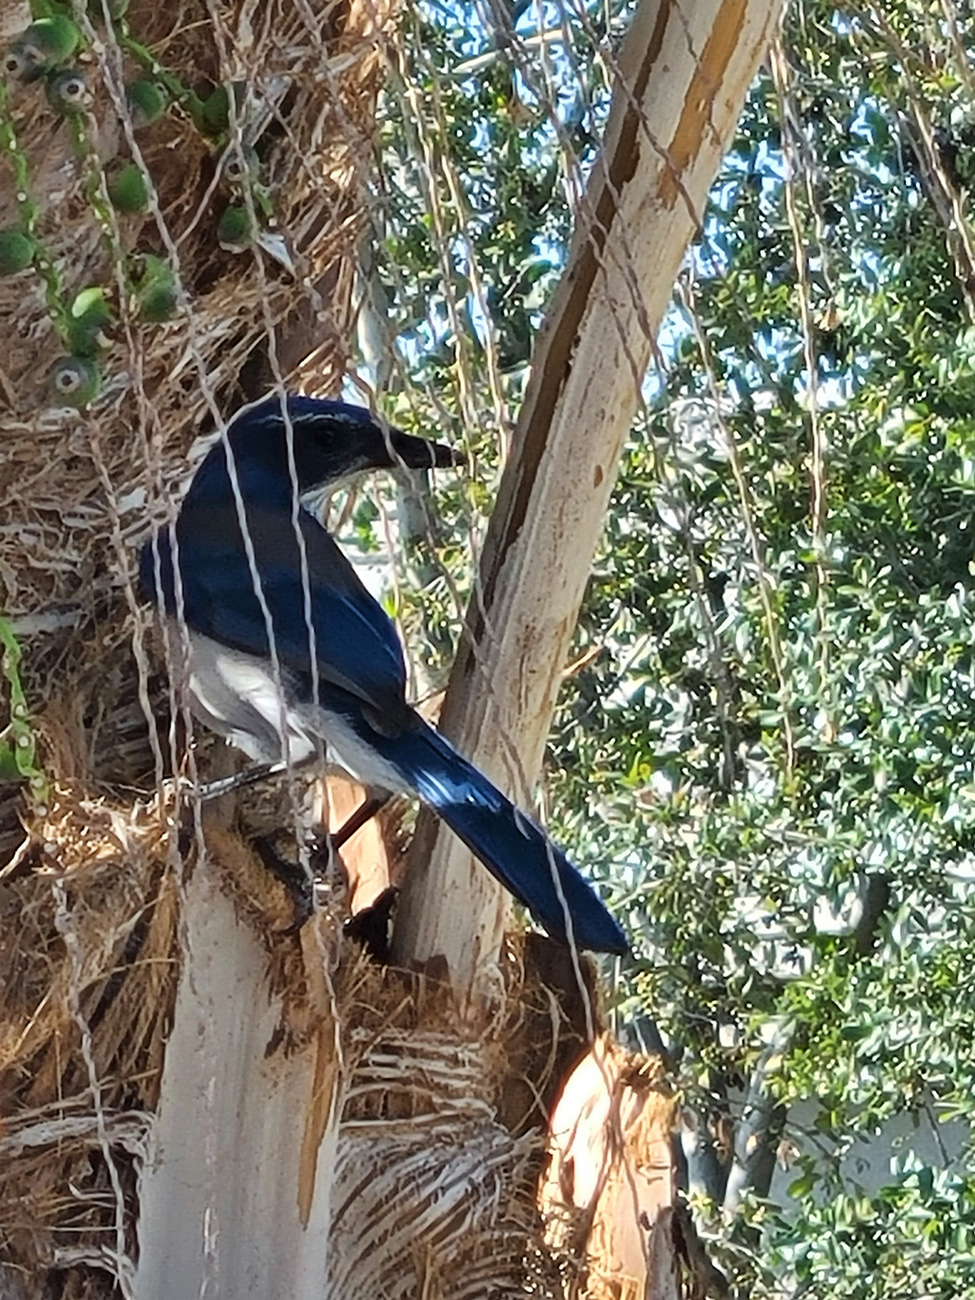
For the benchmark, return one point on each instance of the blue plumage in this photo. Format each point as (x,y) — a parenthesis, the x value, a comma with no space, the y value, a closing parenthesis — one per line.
(355,700)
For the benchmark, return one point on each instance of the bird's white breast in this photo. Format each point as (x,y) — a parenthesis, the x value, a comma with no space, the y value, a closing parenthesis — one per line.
(235,695)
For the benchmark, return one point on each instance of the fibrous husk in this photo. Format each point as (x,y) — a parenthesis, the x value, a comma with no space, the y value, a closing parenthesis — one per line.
(90,876)
(88,967)
(438,1163)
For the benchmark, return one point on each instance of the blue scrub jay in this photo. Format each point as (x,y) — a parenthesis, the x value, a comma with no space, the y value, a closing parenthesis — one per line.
(339,660)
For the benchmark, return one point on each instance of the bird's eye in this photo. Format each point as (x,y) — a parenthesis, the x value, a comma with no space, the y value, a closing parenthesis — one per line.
(73,88)
(13,63)
(67,379)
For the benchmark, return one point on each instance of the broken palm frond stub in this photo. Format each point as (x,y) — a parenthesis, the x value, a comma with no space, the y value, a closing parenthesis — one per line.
(448,1181)
(443,1143)
(432,1194)
(610,1174)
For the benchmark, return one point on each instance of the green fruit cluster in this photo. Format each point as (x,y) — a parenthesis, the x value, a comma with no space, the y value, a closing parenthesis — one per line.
(75,379)
(50,51)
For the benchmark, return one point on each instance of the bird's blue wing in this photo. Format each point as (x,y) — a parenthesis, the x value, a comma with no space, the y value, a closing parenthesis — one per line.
(356,646)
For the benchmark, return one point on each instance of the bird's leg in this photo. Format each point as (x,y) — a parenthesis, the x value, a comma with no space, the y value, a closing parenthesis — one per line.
(241,780)
(365,812)
(322,847)
(228,784)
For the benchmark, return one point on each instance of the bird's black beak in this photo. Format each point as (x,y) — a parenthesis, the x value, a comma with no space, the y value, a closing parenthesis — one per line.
(417,453)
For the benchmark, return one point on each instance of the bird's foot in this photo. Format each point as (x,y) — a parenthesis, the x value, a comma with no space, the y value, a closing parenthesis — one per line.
(211,790)
(372,927)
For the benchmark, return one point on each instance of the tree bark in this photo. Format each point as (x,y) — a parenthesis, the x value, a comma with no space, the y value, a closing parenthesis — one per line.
(234,1195)
(680,84)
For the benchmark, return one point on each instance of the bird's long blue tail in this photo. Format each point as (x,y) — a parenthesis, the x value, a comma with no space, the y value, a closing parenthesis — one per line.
(511,845)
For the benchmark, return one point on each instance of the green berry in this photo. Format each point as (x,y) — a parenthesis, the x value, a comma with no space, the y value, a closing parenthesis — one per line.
(157,301)
(156,292)
(146,100)
(88,316)
(235,230)
(215,113)
(67,91)
(21,65)
(75,381)
(129,190)
(17,251)
(44,44)
(91,302)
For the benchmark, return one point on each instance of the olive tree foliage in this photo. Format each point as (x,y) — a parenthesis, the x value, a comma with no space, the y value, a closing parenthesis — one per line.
(765,749)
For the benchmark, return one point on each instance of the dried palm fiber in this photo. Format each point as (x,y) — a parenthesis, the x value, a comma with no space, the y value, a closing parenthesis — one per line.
(434,1193)
(89,947)
(88,958)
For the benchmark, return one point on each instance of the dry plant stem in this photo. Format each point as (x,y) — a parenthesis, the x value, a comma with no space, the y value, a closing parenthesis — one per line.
(798,170)
(672,116)
(756,541)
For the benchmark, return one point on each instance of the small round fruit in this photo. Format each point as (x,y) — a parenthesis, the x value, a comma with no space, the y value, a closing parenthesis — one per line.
(17,251)
(129,189)
(235,230)
(155,289)
(17,64)
(157,301)
(44,44)
(87,320)
(215,113)
(146,100)
(67,91)
(75,381)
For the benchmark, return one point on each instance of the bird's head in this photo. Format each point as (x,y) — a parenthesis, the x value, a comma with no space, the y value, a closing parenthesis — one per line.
(333,441)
